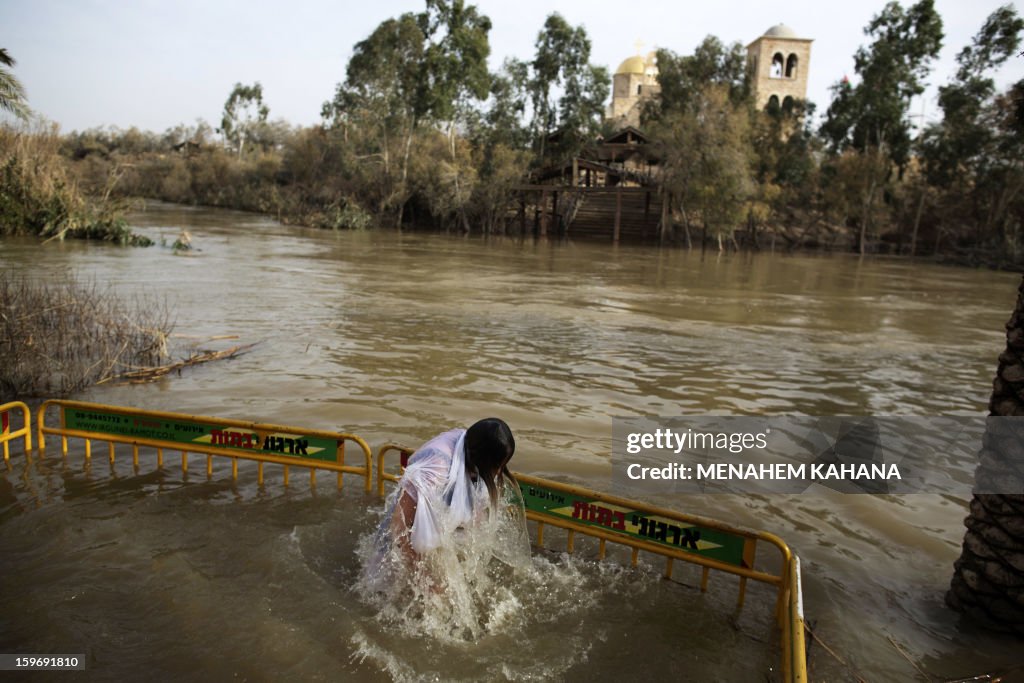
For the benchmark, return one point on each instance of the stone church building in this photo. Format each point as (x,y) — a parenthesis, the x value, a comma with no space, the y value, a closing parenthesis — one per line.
(778,61)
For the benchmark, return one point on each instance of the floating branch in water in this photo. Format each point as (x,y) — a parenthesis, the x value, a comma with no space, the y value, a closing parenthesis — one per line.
(143,375)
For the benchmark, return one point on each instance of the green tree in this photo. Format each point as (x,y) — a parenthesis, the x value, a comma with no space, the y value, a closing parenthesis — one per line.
(244,112)
(503,121)
(684,78)
(416,70)
(872,117)
(700,129)
(12,93)
(455,59)
(786,172)
(704,152)
(379,107)
(562,62)
(973,156)
(455,76)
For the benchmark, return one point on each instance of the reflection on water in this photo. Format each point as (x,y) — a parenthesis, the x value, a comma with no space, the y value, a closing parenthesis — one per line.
(399,336)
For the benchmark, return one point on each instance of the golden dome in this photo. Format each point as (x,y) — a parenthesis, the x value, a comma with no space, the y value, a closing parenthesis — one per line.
(633,65)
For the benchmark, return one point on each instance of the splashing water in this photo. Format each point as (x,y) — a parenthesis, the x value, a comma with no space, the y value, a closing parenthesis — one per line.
(459,591)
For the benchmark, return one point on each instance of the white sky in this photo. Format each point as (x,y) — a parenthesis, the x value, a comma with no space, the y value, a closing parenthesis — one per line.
(156,63)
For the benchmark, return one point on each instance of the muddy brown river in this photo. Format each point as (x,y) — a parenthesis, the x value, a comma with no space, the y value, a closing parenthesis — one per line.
(396,337)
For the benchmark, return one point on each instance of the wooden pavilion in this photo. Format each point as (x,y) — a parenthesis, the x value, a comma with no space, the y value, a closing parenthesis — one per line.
(610,192)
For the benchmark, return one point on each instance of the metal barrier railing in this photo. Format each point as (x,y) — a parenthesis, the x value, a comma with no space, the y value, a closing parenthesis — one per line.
(673,535)
(210,436)
(25,432)
(670,534)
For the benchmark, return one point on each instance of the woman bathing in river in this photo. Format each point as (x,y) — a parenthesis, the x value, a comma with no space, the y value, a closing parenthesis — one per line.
(457,496)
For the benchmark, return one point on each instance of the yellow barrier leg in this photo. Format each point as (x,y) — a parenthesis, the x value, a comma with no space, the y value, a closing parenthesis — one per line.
(110,452)
(184,462)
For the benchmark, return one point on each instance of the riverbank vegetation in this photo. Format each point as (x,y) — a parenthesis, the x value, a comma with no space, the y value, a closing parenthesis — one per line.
(39,193)
(420,133)
(58,337)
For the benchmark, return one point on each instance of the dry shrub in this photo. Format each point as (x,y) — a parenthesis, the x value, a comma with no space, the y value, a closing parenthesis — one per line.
(57,338)
(38,196)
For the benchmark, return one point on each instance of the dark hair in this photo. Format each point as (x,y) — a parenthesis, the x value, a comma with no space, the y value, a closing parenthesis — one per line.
(489,447)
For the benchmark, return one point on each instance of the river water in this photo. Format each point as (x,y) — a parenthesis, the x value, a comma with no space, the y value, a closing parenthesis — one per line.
(396,337)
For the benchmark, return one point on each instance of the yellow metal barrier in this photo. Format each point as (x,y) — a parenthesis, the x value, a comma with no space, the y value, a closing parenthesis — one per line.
(25,432)
(209,436)
(673,535)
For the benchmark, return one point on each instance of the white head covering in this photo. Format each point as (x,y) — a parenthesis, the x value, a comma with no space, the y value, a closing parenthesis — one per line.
(457,490)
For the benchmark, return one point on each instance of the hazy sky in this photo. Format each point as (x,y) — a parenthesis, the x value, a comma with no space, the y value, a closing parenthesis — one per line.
(157,63)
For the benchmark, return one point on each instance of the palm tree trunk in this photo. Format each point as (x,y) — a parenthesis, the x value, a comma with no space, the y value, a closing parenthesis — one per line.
(988,579)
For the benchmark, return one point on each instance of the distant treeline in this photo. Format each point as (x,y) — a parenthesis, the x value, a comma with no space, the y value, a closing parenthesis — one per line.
(420,133)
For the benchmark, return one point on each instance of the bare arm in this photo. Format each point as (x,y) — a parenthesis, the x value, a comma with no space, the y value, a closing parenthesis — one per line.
(401,525)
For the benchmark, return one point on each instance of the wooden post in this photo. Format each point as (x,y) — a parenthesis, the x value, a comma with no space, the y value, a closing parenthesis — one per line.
(618,213)
(522,213)
(536,219)
(664,217)
(556,222)
(647,211)
(543,213)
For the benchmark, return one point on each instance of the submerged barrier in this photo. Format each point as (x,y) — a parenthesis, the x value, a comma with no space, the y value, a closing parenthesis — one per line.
(24,432)
(210,436)
(673,535)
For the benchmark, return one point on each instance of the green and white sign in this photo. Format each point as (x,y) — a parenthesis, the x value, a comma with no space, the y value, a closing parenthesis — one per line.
(193,433)
(712,543)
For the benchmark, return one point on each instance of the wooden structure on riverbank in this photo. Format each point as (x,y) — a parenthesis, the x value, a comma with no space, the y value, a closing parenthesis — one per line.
(616,213)
(610,192)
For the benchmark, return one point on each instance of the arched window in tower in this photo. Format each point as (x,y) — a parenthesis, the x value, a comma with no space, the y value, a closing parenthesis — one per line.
(787,104)
(773,104)
(791,67)
(776,70)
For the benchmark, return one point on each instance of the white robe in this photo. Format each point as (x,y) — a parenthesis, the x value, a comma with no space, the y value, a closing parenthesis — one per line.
(447,499)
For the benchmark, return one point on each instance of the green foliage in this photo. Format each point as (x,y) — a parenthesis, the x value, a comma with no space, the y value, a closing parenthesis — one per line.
(38,198)
(12,93)
(455,58)
(963,141)
(420,133)
(563,61)
(682,78)
(503,122)
(892,69)
(705,157)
